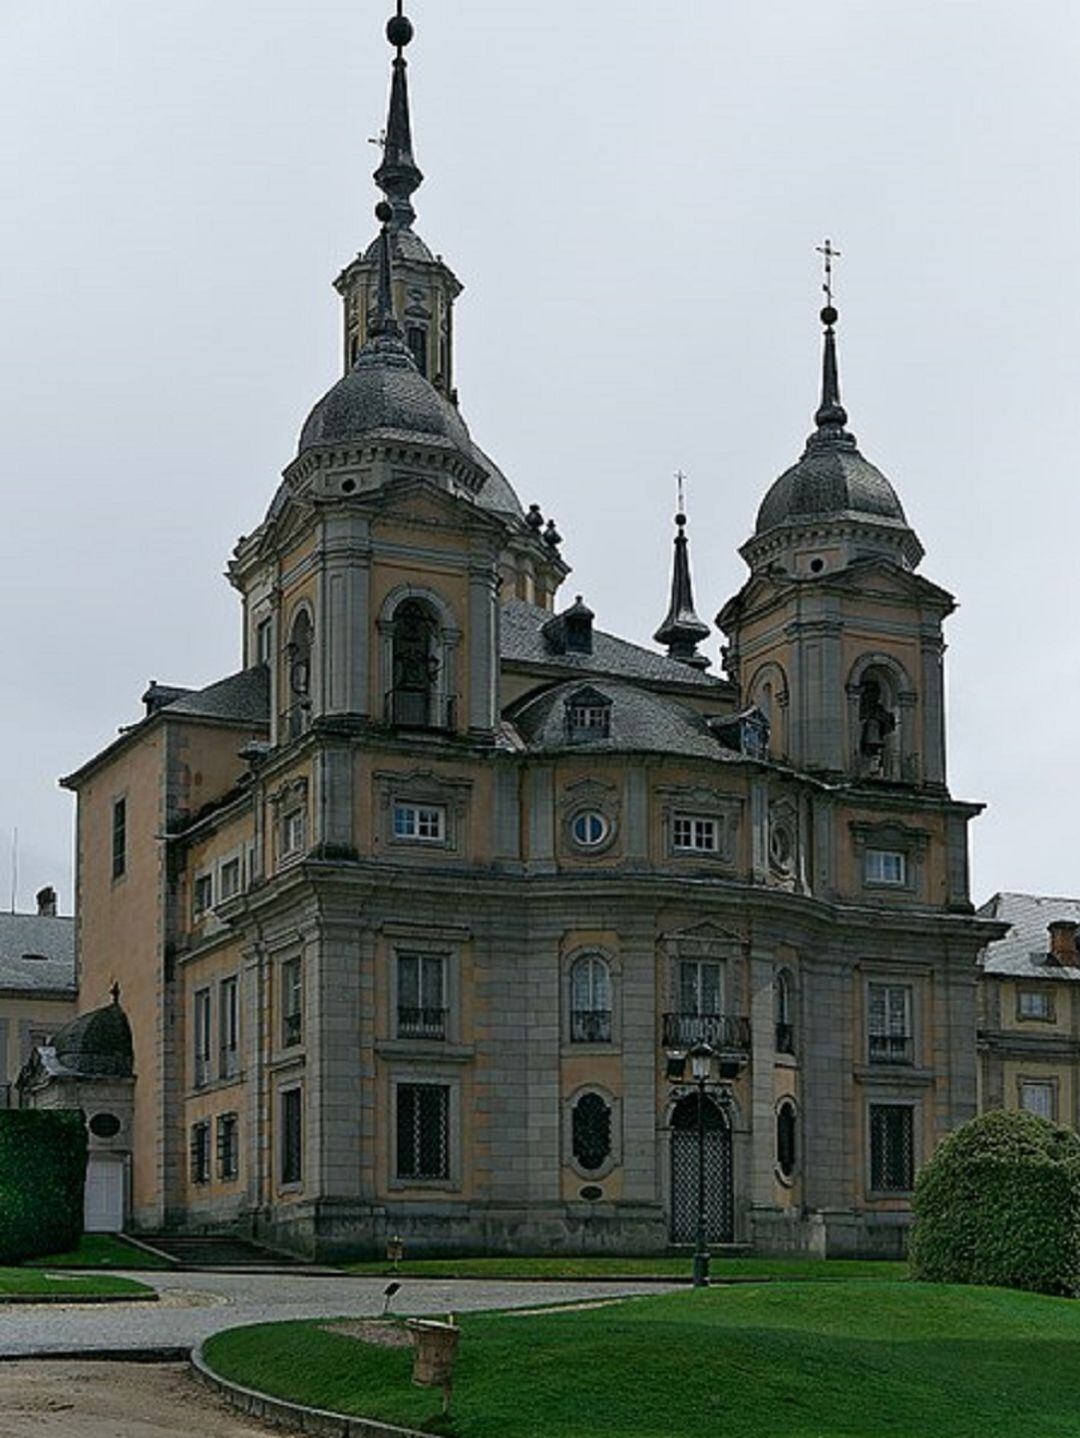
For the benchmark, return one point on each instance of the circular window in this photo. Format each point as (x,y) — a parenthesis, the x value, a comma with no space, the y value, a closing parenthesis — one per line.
(104,1125)
(817,565)
(589,828)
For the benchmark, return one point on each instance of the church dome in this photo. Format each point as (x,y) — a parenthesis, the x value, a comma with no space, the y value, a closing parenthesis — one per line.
(829,482)
(97,1043)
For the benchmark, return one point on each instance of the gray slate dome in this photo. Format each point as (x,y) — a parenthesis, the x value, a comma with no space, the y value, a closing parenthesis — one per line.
(827,482)
(97,1043)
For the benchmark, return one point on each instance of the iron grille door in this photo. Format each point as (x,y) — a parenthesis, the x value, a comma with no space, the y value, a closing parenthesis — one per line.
(719,1185)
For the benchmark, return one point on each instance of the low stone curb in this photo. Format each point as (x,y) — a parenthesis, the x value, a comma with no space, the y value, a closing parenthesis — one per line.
(296,1416)
(80,1298)
(98,1355)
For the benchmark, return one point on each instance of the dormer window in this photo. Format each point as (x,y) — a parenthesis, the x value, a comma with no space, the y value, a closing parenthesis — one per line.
(588,716)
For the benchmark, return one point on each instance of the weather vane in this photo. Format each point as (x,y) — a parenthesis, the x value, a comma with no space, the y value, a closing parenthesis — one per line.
(830,254)
(679,478)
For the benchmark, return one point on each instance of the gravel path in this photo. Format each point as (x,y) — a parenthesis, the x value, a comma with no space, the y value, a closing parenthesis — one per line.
(194,1305)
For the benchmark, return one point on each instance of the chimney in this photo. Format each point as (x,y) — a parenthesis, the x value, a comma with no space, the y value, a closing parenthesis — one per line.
(46,902)
(1063,950)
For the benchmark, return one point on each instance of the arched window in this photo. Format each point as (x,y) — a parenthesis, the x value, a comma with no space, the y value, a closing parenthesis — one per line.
(782,1006)
(415,693)
(298,675)
(785,1139)
(881,700)
(590,1126)
(590,1001)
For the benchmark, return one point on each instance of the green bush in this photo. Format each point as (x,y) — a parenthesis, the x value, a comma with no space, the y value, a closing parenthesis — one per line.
(999,1203)
(42,1174)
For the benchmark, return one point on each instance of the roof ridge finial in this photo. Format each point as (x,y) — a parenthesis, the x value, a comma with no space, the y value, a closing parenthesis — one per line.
(399,175)
(682,631)
(384,322)
(831,416)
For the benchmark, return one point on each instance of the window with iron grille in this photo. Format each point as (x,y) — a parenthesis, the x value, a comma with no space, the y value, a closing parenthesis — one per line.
(229,1009)
(292,1136)
(694,833)
(889,1024)
(228,1146)
(785,1139)
(590,1001)
(421,996)
(892,1148)
(423,1131)
(202,1037)
(590,1127)
(119,837)
(292,1003)
(200,1151)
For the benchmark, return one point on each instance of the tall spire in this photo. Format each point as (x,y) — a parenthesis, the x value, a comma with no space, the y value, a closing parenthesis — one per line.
(831,416)
(398,175)
(682,631)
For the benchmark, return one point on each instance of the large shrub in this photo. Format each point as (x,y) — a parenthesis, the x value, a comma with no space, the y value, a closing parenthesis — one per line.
(999,1203)
(42,1174)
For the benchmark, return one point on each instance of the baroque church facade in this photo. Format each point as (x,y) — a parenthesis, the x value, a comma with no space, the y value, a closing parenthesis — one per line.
(415,918)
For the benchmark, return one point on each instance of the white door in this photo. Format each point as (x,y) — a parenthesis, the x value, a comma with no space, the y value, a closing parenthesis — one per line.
(103,1208)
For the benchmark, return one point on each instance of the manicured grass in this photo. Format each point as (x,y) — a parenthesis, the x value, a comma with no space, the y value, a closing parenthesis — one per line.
(101,1250)
(68,1285)
(839,1360)
(604,1267)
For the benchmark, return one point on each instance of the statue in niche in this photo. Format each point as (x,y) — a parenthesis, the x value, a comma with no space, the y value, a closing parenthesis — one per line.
(876,723)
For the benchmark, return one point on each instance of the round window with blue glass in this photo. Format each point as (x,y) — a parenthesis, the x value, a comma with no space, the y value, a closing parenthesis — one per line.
(590,828)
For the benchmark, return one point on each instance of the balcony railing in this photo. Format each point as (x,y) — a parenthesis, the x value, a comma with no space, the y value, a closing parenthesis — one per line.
(590,1026)
(421,1023)
(719,1031)
(785,1038)
(892,1049)
(421,709)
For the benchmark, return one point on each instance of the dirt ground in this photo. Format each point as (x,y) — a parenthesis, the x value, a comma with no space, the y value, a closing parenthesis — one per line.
(114,1400)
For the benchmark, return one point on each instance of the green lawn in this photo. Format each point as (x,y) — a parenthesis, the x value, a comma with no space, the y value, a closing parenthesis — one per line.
(101,1250)
(68,1285)
(774,1360)
(663,1267)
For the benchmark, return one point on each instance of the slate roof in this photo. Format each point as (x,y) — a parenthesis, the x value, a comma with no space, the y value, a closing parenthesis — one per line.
(639,720)
(1022,952)
(243,698)
(51,937)
(523,642)
(829,483)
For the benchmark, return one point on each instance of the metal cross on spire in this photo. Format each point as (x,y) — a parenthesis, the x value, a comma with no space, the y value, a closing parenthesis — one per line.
(679,479)
(830,254)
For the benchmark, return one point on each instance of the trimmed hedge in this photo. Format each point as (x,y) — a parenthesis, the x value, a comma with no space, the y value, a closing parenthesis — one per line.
(42,1175)
(999,1203)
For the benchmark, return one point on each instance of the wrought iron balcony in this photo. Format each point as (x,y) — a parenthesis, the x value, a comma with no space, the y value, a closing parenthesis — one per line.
(420,709)
(421,1023)
(785,1038)
(892,1049)
(723,1032)
(590,1026)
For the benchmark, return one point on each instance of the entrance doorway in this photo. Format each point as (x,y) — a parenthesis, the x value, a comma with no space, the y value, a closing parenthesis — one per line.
(719,1184)
(103,1209)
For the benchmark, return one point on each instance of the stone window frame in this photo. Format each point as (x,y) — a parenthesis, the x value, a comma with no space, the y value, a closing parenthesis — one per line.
(303,703)
(570,959)
(406,1075)
(700,802)
(229,983)
(881,978)
(424,947)
(584,796)
(281,1183)
(1041,992)
(706,943)
(201,908)
(235,855)
(202,1036)
(890,836)
(785,1002)
(200,1155)
(285,962)
(221,1149)
(422,788)
(593,701)
(1040,1080)
(614,1159)
(788,1101)
(914,1107)
(285,802)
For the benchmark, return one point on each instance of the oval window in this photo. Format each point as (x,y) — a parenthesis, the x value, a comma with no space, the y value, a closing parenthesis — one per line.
(589,828)
(785,1140)
(104,1125)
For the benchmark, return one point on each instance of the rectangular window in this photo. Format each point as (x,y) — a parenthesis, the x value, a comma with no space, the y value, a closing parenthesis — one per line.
(1037,1098)
(292,1003)
(421,996)
(292,1154)
(264,642)
(889,1028)
(229,1009)
(592,720)
(892,1148)
(423,1131)
(884,866)
(203,895)
(228,1146)
(1034,1004)
(229,879)
(119,838)
(695,833)
(422,823)
(700,987)
(202,1037)
(200,1152)
(293,831)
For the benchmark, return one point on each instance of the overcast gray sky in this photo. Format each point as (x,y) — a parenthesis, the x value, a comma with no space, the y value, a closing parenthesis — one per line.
(632,196)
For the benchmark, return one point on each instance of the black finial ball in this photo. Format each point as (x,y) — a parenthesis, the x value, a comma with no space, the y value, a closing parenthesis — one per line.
(399,30)
(383,213)
(829,316)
